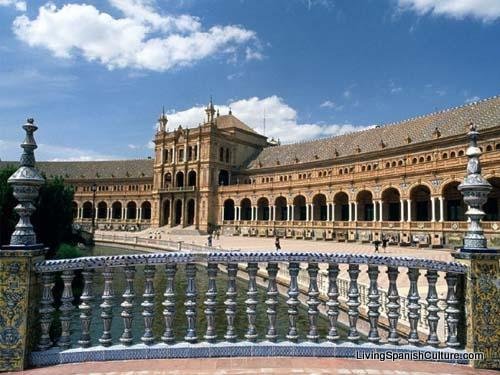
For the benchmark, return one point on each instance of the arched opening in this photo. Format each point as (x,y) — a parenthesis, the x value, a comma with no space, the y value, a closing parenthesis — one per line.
(280,208)
(190,153)
(74,209)
(227,156)
(299,208)
(166,212)
(146,211)
(87,210)
(179,179)
(116,210)
(131,210)
(365,205)
(492,206)
(246,209)
(453,202)
(262,209)
(102,210)
(190,212)
(223,177)
(391,205)
(319,207)
(192,178)
(420,197)
(178,212)
(228,209)
(341,201)
(167,180)
(221,154)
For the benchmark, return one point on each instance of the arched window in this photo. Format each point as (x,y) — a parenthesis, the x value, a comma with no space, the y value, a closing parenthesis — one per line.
(87,210)
(227,155)
(221,154)
(146,211)
(179,179)
(192,178)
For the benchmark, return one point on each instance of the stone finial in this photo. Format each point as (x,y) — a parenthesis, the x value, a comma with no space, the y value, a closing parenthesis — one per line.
(210,111)
(26,182)
(475,189)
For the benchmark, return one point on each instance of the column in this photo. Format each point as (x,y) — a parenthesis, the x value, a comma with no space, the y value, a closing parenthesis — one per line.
(333,212)
(328,212)
(350,211)
(375,204)
(124,213)
(251,213)
(433,209)
(222,213)
(270,218)
(307,212)
(402,203)
(441,209)
(95,212)
(109,213)
(138,213)
(197,150)
(311,216)
(355,211)
(236,213)
(172,156)
(409,210)
(381,216)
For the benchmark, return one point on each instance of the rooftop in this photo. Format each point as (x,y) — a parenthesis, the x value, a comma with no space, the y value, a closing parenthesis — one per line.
(139,168)
(450,122)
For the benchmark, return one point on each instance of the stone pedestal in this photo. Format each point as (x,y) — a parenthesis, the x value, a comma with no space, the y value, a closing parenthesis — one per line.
(18,304)
(482,296)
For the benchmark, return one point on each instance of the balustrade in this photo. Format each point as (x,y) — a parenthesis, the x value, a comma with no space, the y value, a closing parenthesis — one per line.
(319,271)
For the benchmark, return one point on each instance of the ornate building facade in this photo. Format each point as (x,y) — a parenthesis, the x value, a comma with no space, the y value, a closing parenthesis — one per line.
(398,180)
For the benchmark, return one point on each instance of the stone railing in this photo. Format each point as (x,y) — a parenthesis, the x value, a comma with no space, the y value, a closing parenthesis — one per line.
(108,317)
(154,243)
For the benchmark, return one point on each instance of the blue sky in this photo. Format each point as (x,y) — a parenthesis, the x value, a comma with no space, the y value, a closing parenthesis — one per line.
(96,74)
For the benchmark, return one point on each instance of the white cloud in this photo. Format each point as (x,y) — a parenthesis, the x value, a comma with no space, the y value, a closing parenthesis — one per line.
(19,5)
(396,90)
(142,39)
(10,150)
(472,99)
(331,104)
(281,119)
(484,10)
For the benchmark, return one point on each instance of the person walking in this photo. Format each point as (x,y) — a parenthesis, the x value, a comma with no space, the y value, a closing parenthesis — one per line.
(376,243)
(277,243)
(385,240)
(209,240)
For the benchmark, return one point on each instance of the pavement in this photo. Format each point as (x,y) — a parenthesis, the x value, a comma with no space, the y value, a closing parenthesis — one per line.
(244,366)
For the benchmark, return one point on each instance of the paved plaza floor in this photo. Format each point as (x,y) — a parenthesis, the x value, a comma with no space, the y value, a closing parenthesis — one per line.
(249,366)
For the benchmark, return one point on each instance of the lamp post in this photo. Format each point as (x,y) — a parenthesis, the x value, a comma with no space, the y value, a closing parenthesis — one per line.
(93,189)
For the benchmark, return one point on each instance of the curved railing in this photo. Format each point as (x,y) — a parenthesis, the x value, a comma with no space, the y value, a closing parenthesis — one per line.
(56,347)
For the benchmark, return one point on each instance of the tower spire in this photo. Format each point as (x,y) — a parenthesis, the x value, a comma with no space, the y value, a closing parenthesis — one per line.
(162,121)
(210,111)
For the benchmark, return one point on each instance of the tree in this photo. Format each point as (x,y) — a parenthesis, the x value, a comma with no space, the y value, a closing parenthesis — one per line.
(52,219)
(8,217)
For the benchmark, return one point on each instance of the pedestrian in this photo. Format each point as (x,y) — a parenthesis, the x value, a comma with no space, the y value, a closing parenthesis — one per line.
(384,242)
(376,243)
(277,243)
(209,240)
(217,234)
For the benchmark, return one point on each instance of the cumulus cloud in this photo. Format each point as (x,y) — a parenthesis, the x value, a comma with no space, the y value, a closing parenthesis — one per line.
(141,39)
(484,10)
(19,5)
(281,119)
